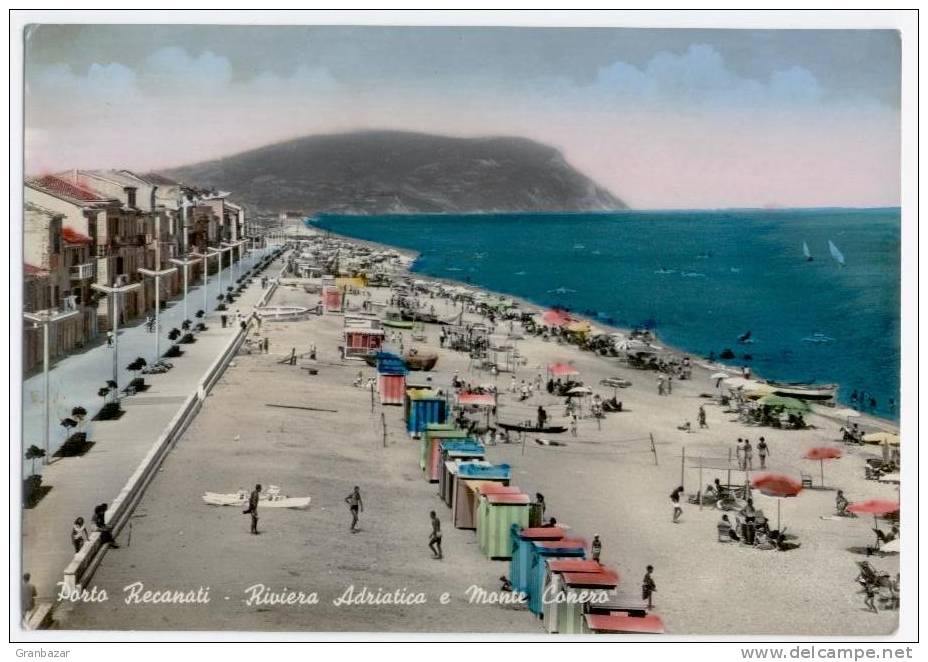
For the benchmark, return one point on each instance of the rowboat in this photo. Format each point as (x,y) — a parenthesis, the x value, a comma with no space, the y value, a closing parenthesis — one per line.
(270,499)
(418,361)
(818,392)
(551,429)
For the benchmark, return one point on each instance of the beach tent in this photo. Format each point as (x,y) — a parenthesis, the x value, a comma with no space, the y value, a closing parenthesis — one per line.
(497,513)
(543,551)
(423,406)
(568,590)
(391,388)
(431,436)
(521,547)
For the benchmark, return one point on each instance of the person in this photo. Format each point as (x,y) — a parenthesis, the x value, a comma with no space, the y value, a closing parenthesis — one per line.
(648,587)
(79,534)
(660,386)
(726,531)
(540,500)
(252,509)
(841,504)
(596,548)
(149,323)
(573,425)
(512,384)
(551,523)
(355,505)
(224,319)
(542,417)
(675,500)
(746,372)
(748,455)
(505,585)
(109,338)
(749,513)
(686,427)
(99,521)
(702,417)
(435,536)
(27,596)
(762,452)
(892,405)
(669,384)
(869,595)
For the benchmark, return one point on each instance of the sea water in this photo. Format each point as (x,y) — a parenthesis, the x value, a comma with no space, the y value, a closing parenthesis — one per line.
(700,279)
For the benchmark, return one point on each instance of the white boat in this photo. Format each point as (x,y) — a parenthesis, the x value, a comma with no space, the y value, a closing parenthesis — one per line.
(835,253)
(806,252)
(270,499)
(824,393)
(818,339)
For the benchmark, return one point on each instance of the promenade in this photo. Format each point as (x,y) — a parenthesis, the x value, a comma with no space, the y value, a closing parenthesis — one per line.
(80,483)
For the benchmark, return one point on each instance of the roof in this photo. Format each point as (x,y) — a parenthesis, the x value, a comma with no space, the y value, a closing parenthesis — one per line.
(71,191)
(574,565)
(34,271)
(618,622)
(479,399)
(603,579)
(497,488)
(542,533)
(156,178)
(38,209)
(72,236)
(563,543)
(508,499)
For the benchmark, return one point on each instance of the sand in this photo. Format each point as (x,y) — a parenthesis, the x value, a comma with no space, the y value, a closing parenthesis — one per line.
(603,481)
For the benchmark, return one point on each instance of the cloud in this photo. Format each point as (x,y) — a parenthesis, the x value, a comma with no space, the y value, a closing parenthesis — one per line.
(173,68)
(103,83)
(700,76)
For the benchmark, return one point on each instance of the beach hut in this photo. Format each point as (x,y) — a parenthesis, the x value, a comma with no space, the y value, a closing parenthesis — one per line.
(497,513)
(423,406)
(552,568)
(359,342)
(543,551)
(331,299)
(521,545)
(452,449)
(467,481)
(391,378)
(569,593)
(432,435)
(621,623)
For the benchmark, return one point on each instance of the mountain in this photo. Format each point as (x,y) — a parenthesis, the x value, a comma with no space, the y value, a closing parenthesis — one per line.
(374,172)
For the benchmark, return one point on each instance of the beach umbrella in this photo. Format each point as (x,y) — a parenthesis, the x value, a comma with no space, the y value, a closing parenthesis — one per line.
(562,369)
(790,404)
(580,390)
(822,453)
(555,317)
(780,486)
(882,438)
(875,507)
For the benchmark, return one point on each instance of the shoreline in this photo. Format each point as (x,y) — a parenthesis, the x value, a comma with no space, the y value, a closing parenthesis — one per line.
(865,419)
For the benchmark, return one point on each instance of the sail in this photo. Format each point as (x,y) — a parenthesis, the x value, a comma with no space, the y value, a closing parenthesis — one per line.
(835,253)
(805,249)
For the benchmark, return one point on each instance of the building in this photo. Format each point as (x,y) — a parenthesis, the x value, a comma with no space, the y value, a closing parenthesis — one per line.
(57,272)
(118,246)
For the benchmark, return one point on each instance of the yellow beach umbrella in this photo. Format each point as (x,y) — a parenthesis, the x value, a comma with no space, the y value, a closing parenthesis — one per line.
(887,438)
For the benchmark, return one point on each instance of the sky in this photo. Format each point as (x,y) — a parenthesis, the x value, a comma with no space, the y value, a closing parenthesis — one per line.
(663,118)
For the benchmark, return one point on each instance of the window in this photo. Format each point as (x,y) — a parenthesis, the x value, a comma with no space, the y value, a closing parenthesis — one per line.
(130,194)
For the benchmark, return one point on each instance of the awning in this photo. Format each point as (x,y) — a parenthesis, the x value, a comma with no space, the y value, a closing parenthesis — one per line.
(562,369)
(478,399)
(650,624)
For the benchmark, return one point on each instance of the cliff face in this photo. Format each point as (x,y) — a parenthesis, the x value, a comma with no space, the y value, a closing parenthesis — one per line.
(378,172)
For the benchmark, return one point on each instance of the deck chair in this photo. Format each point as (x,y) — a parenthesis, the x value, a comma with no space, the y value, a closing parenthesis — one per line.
(806,480)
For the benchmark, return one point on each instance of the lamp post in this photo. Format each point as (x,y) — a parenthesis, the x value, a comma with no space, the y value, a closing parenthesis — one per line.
(116,292)
(219,251)
(229,245)
(205,257)
(44,319)
(157,275)
(185,264)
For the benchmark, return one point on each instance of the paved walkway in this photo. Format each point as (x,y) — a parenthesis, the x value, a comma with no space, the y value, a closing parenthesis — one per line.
(80,483)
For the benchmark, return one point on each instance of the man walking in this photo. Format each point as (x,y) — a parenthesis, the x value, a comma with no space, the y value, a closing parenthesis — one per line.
(253,508)
(675,500)
(355,505)
(596,548)
(702,417)
(648,587)
(435,536)
(748,455)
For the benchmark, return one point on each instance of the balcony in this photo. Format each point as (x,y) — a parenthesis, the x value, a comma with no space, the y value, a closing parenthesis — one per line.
(83,271)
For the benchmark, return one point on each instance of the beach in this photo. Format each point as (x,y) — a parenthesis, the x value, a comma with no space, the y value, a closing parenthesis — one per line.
(608,480)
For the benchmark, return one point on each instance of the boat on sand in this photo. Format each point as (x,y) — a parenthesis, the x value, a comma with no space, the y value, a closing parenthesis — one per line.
(270,499)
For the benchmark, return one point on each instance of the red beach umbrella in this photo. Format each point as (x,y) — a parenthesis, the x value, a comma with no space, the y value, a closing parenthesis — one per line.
(777,485)
(875,507)
(562,370)
(822,453)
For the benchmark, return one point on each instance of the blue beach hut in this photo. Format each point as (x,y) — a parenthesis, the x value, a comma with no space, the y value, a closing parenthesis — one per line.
(542,550)
(521,539)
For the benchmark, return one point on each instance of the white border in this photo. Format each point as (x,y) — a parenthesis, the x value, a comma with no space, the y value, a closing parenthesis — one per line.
(905,22)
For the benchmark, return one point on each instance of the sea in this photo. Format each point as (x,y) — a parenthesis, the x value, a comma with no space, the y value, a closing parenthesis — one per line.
(701,280)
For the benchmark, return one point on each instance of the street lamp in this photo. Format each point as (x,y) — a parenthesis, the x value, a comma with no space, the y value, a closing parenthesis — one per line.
(229,245)
(44,319)
(115,292)
(205,257)
(185,264)
(219,251)
(157,274)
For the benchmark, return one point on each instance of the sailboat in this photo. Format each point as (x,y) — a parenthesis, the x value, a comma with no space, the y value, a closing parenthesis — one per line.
(835,253)
(805,251)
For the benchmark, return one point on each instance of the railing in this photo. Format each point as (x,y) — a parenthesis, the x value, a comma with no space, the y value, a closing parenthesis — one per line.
(82,566)
(83,271)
